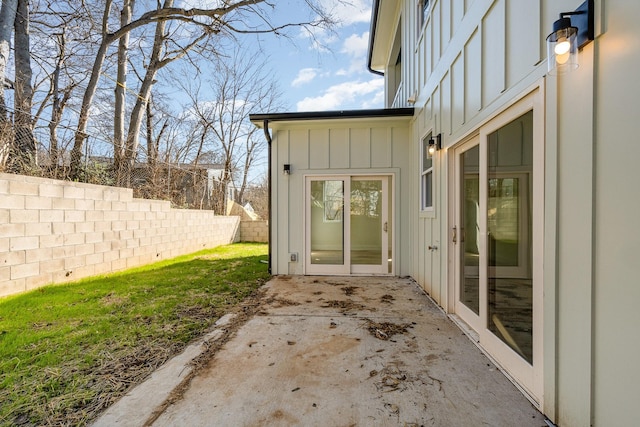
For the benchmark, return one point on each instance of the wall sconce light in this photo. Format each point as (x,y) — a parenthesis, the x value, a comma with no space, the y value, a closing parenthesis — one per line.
(435,144)
(570,33)
(287,169)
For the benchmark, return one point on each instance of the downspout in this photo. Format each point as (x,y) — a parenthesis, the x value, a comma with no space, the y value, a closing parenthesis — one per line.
(372,33)
(265,127)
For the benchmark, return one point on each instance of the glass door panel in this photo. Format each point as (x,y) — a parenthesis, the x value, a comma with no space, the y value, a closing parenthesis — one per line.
(509,226)
(366,222)
(470,230)
(327,222)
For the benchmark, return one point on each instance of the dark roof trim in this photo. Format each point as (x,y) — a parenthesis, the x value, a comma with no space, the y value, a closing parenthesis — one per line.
(326,115)
(372,34)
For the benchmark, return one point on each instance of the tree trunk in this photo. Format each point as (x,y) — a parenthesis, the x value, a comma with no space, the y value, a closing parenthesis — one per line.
(119,146)
(7,20)
(24,152)
(90,91)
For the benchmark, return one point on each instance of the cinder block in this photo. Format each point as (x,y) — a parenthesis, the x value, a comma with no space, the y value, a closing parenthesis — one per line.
(93,237)
(74,216)
(94,192)
(118,264)
(95,259)
(133,261)
(12,201)
(73,192)
(36,202)
(100,226)
(12,230)
(86,249)
(38,281)
(133,225)
(102,205)
(51,266)
(101,247)
(51,241)
(133,243)
(74,262)
(126,195)
(63,204)
(24,243)
(126,234)
(12,287)
(111,256)
(94,215)
(118,206)
(84,227)
(51,215)
(63,252)
(72,239)
(23,188)
(63,227)
(38,229)
(21,271)
(111,194)
(84,205)
(4,186)
(50,190)
(24,216)
(139,216)
(5,274)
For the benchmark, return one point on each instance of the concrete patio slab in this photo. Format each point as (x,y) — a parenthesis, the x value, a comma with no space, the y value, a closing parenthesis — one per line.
(339,351)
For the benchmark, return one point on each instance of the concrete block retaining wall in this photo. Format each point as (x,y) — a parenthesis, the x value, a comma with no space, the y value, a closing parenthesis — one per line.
(254,231)
(57,231)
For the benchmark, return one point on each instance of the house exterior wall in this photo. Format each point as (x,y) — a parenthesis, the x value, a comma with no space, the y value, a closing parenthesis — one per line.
(57,231)
(472,61)
(357,147)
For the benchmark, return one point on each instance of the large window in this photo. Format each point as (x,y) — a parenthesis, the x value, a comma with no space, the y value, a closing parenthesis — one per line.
(426,178)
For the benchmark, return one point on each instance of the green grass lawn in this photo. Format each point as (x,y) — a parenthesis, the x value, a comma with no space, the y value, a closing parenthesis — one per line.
(69,351)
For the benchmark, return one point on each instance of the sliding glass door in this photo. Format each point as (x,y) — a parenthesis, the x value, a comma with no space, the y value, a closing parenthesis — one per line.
(347,225)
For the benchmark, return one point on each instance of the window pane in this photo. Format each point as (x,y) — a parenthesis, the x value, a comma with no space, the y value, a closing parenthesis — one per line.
(427,186)
(327,231)
(509,225)
(427,161)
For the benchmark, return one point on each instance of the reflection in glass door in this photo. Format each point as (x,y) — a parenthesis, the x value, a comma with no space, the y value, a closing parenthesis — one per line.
(348,228)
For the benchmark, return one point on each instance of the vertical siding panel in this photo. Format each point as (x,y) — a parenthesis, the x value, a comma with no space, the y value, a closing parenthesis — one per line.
(522,39)
(445,104)
(493,53)
(319,149)
(445,24)
(428,50)
(435,35)
(380,148)
(457,91)
(338,148)
(299,150)
(285,147)
(360,148)
(457,13)
(473,76)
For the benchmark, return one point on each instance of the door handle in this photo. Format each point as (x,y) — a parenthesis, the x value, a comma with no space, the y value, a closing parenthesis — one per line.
(432,248)
(454,236)
(384,227)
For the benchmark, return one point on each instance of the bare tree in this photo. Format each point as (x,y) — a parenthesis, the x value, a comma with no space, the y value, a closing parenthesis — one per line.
(230,17)
(238,86)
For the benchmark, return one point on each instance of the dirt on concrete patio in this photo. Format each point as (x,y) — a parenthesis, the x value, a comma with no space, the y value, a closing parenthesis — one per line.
(331,351)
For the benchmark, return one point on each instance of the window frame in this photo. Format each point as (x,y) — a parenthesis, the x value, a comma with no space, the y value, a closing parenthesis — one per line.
(423,8)
(427,176)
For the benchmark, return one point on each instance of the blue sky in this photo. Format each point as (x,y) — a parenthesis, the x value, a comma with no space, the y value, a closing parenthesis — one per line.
(329,73)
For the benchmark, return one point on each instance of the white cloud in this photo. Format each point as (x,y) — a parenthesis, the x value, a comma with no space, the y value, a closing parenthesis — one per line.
(335,97)
(347,13)
(304,76)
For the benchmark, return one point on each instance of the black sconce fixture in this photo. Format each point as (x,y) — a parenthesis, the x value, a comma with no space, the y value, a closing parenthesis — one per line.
(435,143)
(570,33)
(287,169)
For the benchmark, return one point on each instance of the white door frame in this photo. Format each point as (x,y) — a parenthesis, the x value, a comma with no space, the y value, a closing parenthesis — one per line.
(387,212)
(528,377)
